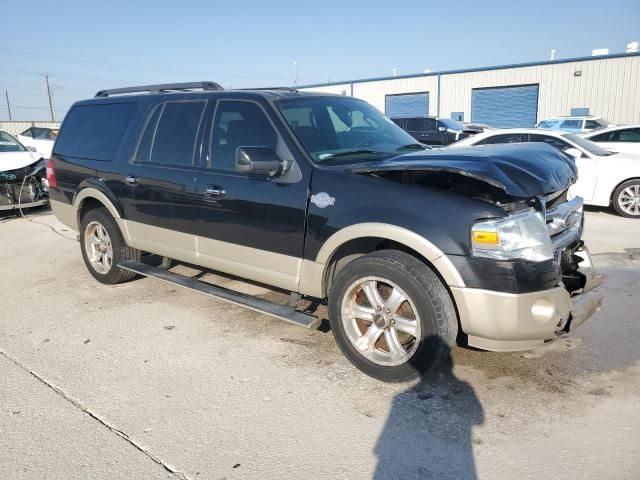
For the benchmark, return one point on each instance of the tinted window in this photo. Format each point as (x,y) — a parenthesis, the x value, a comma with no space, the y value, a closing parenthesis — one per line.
(505,138)
(27,133)
(571,124)
(591,124)
(174,140)
(554,142)
(630,135)
(452,124)
(94,131)
(605,137)
(244,124)
(144,148)
(416,124)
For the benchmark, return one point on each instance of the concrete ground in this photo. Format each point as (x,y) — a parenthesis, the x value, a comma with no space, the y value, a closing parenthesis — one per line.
(145,380)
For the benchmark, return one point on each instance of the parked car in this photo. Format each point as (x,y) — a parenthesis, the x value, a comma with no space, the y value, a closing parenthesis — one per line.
(606,178)
(23,182)
(624,138)
(479,127)
(577,124)
(39,139)
(321,196)
(434,131)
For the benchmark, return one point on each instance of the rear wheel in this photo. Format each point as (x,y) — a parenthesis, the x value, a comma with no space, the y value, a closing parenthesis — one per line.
(103,247)
(392,316)
(626,199)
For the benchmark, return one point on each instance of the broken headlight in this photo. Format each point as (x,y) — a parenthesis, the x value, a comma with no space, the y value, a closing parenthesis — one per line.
(521,236)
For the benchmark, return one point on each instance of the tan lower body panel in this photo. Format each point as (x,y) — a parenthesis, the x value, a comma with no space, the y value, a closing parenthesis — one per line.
(65,213)
(274,269)
(506,321)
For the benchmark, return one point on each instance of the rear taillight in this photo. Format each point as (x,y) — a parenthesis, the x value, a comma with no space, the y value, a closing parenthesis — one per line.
(51,175)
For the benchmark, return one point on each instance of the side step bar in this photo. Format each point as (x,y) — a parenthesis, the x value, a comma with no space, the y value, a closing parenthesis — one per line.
(283,312)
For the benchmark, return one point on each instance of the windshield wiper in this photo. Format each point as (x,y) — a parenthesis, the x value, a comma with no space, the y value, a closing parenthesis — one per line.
(417,146)
(354,152)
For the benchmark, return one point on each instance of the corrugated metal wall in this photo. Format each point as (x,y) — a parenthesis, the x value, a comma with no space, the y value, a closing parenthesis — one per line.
(14,128)
(609,87)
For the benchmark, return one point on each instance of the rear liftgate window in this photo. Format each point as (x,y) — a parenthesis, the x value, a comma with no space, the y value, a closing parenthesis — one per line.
(94,132)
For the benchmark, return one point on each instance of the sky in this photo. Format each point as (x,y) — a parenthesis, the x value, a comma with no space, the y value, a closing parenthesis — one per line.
(88,45)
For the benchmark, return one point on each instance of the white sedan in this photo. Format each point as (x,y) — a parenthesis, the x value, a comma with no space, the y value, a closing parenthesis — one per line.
(604,177)
(38,139)
(623,138)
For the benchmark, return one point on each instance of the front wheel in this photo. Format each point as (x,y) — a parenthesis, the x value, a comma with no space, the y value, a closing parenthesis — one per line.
(626,199)
(392,316)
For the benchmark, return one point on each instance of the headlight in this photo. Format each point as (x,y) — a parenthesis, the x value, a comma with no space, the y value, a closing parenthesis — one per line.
(520,236)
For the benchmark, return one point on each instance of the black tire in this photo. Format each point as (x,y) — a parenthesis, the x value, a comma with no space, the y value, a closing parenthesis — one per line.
(618,194)
(121,251)
(433,304)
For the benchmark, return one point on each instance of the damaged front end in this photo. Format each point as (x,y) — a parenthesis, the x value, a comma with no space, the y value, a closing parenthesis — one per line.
(528,276)
(24,187)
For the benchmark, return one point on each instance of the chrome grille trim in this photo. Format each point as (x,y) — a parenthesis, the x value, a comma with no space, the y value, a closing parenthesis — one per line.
(564,222)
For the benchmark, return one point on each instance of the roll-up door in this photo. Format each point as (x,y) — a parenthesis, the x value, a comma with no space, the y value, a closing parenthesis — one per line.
(505,107)
(407,104)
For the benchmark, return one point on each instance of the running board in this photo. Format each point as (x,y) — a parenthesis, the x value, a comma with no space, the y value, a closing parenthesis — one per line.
(283,312)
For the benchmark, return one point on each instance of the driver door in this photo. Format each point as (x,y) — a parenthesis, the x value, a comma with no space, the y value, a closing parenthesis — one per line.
(250,226)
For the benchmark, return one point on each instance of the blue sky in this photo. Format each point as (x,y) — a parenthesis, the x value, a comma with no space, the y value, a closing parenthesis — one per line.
(88,45)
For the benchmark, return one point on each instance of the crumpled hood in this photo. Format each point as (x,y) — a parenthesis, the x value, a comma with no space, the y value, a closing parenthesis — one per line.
(522,170)
(16,160)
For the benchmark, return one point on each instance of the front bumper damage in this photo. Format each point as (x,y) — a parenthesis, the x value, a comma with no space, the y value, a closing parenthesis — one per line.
(24,187)
(499,321)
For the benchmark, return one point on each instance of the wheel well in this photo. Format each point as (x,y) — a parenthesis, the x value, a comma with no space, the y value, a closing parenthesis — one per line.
(618,186)
(349,251)
(87,204)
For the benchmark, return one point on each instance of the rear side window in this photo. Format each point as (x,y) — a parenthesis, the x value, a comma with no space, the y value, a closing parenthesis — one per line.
(170,135)
(94,132)
(554,142)
(631,135)
(506,138)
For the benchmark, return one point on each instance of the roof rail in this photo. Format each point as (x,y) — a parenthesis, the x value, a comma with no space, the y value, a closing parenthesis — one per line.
(166,87)
(285,89)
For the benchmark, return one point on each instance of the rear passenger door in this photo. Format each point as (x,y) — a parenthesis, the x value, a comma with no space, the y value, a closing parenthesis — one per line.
(249,226)
(159,183)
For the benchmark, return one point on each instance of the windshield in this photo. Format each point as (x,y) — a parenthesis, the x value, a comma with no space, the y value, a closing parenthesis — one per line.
(344,128)
(547,124)
(9,144)
(587,145)
(452,124)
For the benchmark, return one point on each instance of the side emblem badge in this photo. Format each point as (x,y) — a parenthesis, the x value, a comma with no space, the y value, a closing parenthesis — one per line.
(322,200)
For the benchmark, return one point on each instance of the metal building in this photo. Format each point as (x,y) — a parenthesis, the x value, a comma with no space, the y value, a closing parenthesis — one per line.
(509,95)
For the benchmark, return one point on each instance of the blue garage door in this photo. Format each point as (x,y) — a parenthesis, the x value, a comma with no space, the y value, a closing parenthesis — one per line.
(407,105)
(505,107)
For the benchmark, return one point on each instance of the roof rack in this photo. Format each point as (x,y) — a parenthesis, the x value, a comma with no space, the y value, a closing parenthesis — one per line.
(166,87)
(285,89)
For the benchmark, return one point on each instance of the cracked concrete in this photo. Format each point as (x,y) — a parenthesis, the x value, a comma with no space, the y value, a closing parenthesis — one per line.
(177,381)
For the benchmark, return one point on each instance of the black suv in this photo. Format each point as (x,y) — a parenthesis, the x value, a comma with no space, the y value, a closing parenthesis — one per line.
(435,131)
(323,197)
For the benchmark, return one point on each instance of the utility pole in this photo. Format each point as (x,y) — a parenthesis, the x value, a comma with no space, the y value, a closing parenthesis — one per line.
(46,77)
(6,93)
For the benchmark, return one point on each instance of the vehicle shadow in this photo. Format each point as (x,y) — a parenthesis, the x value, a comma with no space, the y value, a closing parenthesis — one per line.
(429,431)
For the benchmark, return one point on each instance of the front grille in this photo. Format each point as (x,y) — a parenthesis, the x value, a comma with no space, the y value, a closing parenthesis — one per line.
(564,223)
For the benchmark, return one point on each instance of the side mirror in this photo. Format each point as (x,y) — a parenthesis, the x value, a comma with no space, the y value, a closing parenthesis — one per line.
(574,152)
(442,129)
(261,161)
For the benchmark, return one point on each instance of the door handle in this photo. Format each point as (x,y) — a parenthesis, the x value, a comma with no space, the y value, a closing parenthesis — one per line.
(214,191)
(130,180)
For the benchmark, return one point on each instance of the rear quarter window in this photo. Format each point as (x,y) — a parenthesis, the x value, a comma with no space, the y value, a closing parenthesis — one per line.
(94,132)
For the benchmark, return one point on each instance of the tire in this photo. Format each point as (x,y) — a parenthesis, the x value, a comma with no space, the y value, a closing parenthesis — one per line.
(427,312)
(628,191)
(102,270)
